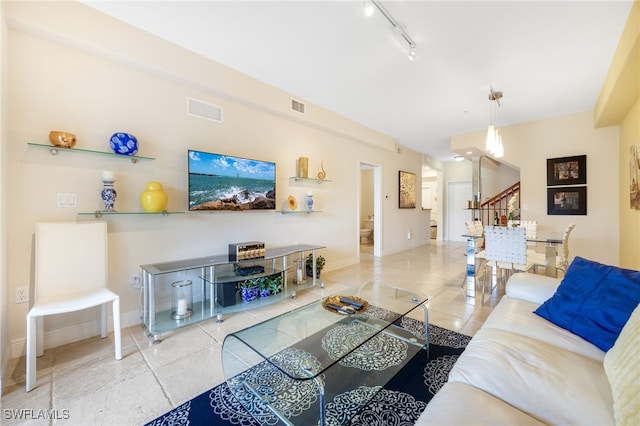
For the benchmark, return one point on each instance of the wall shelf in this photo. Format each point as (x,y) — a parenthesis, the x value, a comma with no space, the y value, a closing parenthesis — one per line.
(308,180)
(55,150)
(98,213)
(298,211)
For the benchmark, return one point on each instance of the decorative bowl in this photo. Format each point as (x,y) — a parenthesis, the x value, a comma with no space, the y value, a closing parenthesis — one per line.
(124,143)
(62,139)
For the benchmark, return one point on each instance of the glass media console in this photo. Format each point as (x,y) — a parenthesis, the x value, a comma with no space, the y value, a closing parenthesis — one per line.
(210,286)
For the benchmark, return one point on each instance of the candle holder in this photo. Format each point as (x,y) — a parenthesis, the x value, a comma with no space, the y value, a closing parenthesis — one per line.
(300,272)
(108,194)
(181,300)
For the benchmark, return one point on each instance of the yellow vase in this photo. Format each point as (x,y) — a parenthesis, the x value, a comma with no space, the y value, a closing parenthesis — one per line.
(153,199)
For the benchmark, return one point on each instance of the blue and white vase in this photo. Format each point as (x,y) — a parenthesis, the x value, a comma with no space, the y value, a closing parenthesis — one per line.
(124,143)
(108,195)
(249,293)
(309,202)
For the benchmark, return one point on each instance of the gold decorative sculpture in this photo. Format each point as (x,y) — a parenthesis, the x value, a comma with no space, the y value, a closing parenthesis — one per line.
(322,173)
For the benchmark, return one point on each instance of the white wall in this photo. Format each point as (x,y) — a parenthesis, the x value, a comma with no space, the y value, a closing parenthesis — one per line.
(527,147)
(103,76)
(4,290)
(495,177)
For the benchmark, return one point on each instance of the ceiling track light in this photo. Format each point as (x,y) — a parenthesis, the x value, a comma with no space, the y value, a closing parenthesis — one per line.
(397,27)
(368,8)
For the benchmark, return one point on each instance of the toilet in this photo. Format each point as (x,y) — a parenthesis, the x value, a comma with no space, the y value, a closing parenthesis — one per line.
(366,232)
(365,235)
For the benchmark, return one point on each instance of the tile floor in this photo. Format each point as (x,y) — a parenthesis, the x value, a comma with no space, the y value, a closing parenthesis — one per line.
(84,385)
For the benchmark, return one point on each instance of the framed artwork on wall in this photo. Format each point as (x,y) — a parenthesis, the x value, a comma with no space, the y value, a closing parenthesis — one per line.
(407,190)
(567,170)
(634,178)
(568,200)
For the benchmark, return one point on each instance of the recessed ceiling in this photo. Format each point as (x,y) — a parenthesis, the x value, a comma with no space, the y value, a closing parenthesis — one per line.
(549,58)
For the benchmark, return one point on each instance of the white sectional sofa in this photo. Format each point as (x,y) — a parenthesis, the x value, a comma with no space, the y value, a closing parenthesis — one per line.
(520,369)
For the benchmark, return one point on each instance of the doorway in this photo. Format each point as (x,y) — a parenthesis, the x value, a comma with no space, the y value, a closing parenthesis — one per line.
(369,212)
(458,193)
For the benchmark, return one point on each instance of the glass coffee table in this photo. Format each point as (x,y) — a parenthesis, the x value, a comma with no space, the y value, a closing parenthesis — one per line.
(321,363)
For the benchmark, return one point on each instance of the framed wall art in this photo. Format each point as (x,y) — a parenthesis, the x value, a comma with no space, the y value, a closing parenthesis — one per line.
(568,200)
(407,190)
(567,171)
(634,177)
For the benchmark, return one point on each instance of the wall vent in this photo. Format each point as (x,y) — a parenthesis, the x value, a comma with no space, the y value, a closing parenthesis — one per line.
(298,106)
(205,110)
(398,150)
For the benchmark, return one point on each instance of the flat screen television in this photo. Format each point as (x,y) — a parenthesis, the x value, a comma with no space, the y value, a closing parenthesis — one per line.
(223,182)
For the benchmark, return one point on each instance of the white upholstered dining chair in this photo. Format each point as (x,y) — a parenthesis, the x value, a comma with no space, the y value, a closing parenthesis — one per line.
(506,250)
(562,258)
(70,275)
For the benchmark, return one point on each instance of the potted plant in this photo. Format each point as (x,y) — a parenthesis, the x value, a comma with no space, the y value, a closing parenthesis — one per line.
(275,284)
(249,290)
(269,284)
(309,265)
(263,286)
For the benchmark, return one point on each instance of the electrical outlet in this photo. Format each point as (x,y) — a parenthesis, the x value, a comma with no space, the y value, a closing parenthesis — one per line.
(135,281)
(22,295)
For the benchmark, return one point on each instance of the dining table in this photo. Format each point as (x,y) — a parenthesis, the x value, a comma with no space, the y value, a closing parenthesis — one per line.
(551,240)
(471,264)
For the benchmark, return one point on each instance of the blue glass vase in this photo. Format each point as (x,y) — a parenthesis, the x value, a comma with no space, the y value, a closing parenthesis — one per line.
(124,143)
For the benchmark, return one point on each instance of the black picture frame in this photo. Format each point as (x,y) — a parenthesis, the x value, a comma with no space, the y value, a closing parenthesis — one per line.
(567,200)
(406,190)
(567,171)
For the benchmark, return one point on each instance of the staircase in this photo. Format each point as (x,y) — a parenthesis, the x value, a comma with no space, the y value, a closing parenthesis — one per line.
(499,204)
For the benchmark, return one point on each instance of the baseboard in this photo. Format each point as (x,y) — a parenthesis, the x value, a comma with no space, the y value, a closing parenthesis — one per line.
(74,333)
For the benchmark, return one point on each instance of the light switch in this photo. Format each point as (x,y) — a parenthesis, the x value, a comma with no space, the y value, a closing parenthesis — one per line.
(62,199)
(66,199)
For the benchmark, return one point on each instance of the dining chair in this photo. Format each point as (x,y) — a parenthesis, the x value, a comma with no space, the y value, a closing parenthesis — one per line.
(531,230)
(505,250)
(70,275)
(475,228)
(562,258)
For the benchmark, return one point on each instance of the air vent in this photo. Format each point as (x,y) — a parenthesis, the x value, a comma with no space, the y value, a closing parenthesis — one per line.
(204,110)
(298,106)
(398,150)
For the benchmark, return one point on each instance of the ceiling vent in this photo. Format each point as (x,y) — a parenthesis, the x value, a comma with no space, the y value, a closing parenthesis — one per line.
(298,106)
(204,110)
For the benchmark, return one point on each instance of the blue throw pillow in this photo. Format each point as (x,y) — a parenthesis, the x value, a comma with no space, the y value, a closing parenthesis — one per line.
(593,301)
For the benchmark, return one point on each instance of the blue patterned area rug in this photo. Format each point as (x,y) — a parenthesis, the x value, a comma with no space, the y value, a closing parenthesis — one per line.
(399,403)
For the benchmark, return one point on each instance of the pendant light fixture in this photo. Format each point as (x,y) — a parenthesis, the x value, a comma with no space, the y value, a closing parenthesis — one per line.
(493,143)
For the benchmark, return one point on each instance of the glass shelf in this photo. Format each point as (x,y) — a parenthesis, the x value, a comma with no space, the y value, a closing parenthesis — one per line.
(310,180)
(298,211)
(55,150)
(99,213)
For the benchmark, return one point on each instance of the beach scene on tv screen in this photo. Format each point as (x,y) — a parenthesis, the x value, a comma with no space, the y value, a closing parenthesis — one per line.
(222,182)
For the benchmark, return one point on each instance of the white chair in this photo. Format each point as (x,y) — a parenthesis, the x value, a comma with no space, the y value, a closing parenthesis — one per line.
(505,249)
(70,275)
(562,258)
(475,228)
(531,230)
